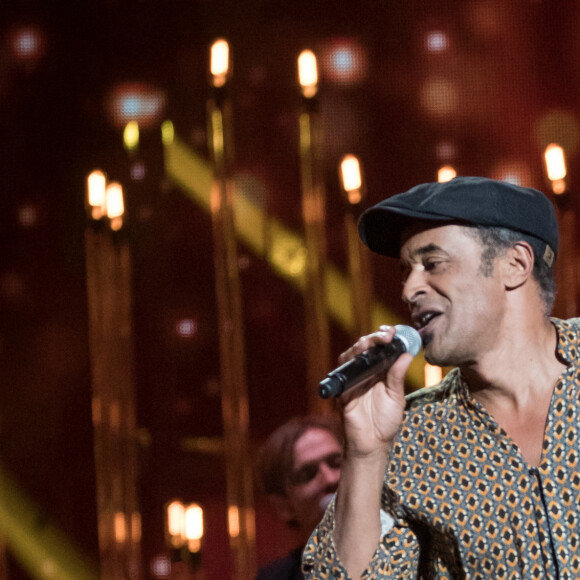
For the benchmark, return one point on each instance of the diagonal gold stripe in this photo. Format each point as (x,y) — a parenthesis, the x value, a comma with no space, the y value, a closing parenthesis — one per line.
(41,549)
(269,238)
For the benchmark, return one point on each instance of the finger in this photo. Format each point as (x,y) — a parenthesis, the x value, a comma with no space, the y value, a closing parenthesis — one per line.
(383,335)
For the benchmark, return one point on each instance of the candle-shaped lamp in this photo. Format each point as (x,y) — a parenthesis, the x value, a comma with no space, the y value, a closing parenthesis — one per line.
(555,159)
(313,214)
(353,187)
(235,407)
(111,352)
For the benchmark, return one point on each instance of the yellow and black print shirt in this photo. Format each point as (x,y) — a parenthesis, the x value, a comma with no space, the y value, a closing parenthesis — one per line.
(464,501)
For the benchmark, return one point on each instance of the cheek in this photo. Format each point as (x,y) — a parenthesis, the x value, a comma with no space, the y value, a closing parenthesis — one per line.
(306,495)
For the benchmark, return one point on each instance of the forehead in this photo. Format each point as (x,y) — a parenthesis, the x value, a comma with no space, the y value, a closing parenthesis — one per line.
(425,237)
(314,444)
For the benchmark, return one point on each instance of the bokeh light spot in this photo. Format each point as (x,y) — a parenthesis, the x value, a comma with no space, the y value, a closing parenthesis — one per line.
(438,97)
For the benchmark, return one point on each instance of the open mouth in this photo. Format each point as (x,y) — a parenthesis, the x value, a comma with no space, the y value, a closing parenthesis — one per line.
(423,321)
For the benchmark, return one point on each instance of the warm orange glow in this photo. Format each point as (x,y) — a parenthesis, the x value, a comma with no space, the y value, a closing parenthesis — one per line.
(512,171)
(446,173)
(308,73)
(120,528)
(136,527)
(185,525)
(115,205)
(176,522)
(439,97)
(556,167)
(96,186)
(233,521)
(194,526)
(351,178)
(220,62)
(433,375)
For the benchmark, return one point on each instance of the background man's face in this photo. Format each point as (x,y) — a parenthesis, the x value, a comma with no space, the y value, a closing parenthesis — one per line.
(315,474)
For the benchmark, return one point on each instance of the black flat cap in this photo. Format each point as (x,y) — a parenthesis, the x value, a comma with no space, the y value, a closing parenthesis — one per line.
(468,200)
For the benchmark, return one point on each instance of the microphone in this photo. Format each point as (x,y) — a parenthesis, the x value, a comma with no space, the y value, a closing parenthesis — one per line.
(367,365)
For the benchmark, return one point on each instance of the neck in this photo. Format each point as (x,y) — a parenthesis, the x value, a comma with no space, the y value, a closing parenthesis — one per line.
(522,365)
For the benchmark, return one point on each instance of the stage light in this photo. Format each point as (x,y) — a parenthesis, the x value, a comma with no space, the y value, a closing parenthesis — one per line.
(555,160)
(138,102)
(446,173)
(115,205)
(345,62)
(186,327)
(193,527)
(96,196)
(167,133)
(184,525)
(351,179)
(220,62)
(433,375)
(308,73)
(27,43)
(120,528)
(131,136)
(175,516)
(233,521)
(436,41)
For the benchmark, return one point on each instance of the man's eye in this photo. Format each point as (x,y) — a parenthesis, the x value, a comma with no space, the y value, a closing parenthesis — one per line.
(431,265)
(304,475)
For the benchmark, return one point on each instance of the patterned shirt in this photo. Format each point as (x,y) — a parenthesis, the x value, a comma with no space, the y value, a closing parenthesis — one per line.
(465,502)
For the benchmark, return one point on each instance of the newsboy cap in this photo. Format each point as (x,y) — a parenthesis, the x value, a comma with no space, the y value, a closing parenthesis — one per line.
(464,200)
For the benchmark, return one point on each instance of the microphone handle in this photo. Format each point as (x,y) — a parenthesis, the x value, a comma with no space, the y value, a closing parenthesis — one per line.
(361,368)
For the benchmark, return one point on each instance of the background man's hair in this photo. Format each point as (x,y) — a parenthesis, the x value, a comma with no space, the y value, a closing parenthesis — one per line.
(276,456)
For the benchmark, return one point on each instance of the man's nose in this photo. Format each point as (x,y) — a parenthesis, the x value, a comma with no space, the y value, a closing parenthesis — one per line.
(328,473)
(414,286)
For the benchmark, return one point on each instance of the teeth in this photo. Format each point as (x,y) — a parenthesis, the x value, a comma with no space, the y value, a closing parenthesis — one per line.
(425,318)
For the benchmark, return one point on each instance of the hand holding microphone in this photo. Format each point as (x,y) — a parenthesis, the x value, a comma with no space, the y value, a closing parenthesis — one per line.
(370,363)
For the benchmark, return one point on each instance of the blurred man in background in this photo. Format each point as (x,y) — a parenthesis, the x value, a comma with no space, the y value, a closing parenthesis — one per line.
(299,471)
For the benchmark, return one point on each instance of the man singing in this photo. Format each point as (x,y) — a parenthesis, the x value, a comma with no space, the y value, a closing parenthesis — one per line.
(478,477)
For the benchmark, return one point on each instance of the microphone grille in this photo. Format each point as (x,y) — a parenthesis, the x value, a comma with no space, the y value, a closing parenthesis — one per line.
(409,337)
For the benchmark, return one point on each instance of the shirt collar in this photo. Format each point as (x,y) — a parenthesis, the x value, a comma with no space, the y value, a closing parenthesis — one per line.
(568,339)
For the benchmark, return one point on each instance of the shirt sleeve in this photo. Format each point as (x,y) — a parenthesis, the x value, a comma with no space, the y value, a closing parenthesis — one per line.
(396,556)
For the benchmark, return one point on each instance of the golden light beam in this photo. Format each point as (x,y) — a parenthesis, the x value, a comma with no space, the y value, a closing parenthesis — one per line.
(283,248)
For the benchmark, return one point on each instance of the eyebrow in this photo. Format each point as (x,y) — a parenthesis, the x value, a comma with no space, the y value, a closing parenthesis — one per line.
(427,249)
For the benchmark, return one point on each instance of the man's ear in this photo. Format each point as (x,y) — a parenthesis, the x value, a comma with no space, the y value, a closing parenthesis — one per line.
(518,264)
(282,506)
